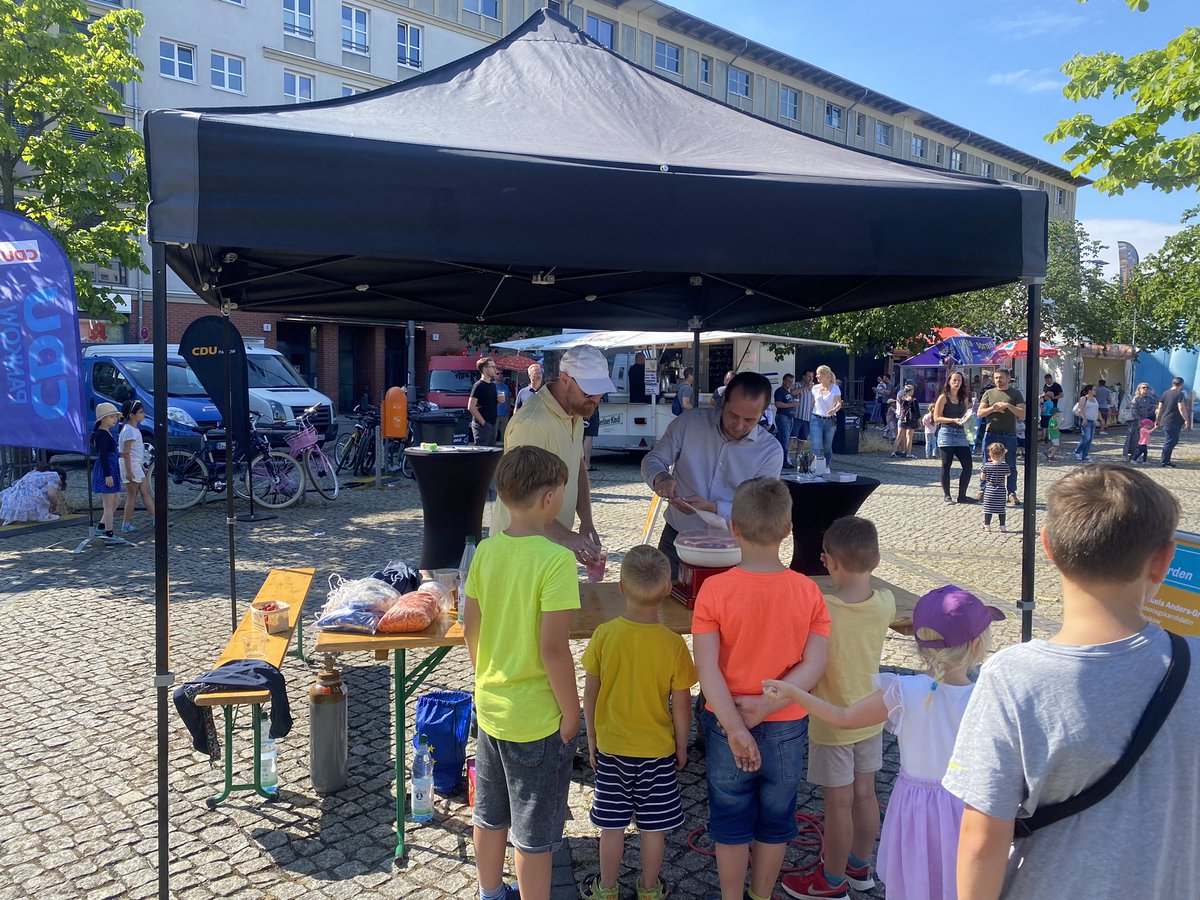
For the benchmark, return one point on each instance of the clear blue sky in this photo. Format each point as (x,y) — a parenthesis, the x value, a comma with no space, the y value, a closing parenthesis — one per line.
(991,67)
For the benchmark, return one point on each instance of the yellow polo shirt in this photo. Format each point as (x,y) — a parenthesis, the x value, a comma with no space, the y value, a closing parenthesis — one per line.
(541,422)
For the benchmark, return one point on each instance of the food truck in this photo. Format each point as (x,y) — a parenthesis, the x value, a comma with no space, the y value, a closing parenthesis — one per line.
(636,426)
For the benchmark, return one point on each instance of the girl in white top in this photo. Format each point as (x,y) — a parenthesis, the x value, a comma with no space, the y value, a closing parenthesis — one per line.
(918,848)
(133,463)
(1088,410)
(827,400)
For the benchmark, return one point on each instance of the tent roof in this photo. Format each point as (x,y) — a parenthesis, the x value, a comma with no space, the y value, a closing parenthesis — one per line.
(611,340)
(545,180)
(963,350)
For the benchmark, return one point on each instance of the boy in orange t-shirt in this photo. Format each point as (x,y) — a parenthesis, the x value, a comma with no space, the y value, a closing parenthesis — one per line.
(756,619)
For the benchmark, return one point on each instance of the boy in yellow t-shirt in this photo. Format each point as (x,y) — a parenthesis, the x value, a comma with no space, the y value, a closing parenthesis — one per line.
(844,761)
(637,742)
(520,593)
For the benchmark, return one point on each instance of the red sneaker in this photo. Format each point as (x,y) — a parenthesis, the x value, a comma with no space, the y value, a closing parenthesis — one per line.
(860,878)
(813,886)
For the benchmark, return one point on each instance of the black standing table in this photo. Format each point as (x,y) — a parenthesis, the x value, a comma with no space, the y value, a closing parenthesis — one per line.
(453,482)
(815,505)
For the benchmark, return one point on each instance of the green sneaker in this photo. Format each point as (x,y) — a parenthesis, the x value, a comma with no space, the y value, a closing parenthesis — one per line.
(594,892)
(658,892)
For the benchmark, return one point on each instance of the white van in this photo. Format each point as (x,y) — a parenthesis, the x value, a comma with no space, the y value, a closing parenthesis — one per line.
(277,392)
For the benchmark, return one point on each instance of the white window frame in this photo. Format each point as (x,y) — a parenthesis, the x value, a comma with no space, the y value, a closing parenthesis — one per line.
(175,61)
(920,148)
(351,43)
(352,90)
(883,134)
(302,25)
(833,116)
(555,5)
(956,161)
(706,67)
(225,71)
(747,82)
(478,6)
(987,169)
(789,111)
(410,61)
(667,46)
(241,3)
(297,97)
(1060,197)
(600,20)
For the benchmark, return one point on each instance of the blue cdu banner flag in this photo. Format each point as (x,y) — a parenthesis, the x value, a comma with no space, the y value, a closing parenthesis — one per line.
(41,383)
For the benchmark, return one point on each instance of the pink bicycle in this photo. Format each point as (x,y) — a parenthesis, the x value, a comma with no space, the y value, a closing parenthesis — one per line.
(305,447)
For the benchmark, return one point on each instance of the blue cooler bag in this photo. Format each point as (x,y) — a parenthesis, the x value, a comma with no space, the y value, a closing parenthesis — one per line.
(444,717)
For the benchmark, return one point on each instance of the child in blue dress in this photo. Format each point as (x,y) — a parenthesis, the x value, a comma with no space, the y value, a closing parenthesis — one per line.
(106,473)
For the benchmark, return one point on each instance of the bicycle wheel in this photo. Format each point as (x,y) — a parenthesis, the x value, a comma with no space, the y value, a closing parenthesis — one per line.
(406,468)
(187,479)
(366,455)
(345,450)
(321,473)
(276,479)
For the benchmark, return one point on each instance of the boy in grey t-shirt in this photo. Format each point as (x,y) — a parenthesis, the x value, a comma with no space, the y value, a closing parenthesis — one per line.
(1048,719)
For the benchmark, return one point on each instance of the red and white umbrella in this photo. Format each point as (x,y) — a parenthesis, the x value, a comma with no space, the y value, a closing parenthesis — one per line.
(1020,348)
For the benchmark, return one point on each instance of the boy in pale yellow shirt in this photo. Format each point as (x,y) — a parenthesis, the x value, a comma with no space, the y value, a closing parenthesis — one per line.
(844,761)
(636,739)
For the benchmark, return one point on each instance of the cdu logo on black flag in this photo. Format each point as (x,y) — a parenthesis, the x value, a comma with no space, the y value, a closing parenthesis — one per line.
(206,346)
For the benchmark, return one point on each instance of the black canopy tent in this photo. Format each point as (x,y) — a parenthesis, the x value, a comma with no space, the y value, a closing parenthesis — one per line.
(544,180)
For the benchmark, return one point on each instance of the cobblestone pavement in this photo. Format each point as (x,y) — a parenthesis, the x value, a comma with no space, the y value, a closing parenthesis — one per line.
(77,635)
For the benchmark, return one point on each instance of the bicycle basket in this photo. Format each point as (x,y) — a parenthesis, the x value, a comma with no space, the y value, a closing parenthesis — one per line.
(303,439)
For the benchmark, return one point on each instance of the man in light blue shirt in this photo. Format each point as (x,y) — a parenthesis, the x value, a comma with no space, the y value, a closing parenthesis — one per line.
(705,454)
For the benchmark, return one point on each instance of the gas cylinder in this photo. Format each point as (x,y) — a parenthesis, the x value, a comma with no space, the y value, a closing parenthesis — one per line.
(328,732)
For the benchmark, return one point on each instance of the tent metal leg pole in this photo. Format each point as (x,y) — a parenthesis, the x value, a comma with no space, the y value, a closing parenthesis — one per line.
(162,623)
(229,517)
(1029,512)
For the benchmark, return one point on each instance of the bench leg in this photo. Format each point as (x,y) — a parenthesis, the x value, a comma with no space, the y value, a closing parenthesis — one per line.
(299,651)
(230,786)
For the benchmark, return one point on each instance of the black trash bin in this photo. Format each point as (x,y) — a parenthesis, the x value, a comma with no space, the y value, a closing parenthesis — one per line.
(437,426)
(849,427)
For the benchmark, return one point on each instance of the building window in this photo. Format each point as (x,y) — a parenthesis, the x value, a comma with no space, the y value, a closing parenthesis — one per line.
(860,124)
(297,87)
(602,31)
(833,115)
(298,18)
(1060,197)
(666,56)
(956,160)
(939,153)
(408,45)
(488,8)
(354,29)
(352,90)
(739,83)
(234,2)
(555,5)
(176,61)
(227,73)
(1015,176)
(789,104)
(918,147)
(988,169)
(883,134)
(706,70)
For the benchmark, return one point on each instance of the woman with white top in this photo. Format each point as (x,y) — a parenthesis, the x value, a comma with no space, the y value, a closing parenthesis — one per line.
(827,400)
(1088,410)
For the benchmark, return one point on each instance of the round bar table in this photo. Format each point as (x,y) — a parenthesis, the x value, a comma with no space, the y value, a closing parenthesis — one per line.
(815,505)
(453,482)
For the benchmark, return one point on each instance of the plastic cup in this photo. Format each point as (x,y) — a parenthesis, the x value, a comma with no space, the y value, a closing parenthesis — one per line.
(595,569)
(254,644)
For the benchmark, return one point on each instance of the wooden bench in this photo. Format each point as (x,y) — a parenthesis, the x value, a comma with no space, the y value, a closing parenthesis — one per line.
(291,587)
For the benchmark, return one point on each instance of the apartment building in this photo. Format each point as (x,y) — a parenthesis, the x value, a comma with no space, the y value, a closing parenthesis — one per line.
(209,53)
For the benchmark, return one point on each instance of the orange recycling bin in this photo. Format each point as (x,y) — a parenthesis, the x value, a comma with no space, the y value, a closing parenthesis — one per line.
(395,413)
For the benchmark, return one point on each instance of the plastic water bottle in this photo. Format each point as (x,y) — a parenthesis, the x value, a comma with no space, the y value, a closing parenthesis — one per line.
(269,766)
(421,808)
(464,566)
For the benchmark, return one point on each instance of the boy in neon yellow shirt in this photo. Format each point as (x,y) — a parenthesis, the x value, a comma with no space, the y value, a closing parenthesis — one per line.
(520,593)
(636,741)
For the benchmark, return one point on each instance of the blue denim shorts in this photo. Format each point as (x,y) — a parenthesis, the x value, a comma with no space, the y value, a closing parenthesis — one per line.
(523,787)
(755,806)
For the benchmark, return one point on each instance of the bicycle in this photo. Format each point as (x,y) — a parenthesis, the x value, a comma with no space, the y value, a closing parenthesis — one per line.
(404,463)
(305,446)
(356,450)
(275,478)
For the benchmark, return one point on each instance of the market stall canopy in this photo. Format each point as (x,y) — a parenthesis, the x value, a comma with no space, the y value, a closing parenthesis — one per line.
(957,351)
(546,180)
(611,340)
(1019,348)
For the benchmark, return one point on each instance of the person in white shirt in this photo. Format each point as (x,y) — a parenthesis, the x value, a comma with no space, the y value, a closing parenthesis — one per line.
(827,400)
(133,463)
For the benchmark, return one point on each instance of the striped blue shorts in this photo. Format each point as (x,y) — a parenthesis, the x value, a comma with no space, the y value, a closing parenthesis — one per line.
(629,788)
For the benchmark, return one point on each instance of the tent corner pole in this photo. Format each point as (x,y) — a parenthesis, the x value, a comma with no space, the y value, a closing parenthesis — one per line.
(230,520)
(1029,512)
(163,678)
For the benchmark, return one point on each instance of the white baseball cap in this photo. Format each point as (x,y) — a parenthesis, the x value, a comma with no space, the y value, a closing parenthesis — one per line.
(587,365)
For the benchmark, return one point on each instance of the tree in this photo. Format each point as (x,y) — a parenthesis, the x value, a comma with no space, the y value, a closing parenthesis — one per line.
(1163,298)
(1137,148)
(480,337)
(64,162)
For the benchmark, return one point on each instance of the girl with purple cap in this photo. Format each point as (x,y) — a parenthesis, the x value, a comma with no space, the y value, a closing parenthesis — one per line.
(918,849)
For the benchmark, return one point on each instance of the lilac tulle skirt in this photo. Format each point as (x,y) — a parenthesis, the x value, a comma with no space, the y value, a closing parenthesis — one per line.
(918,848)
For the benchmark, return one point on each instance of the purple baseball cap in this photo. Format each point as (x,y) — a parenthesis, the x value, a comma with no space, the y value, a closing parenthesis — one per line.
(957,615)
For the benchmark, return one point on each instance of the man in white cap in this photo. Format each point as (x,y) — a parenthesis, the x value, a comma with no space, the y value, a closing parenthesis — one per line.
(554,419)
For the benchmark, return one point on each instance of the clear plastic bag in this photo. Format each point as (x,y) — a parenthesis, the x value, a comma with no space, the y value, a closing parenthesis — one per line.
(414,611)
(444,595)
(356,605)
